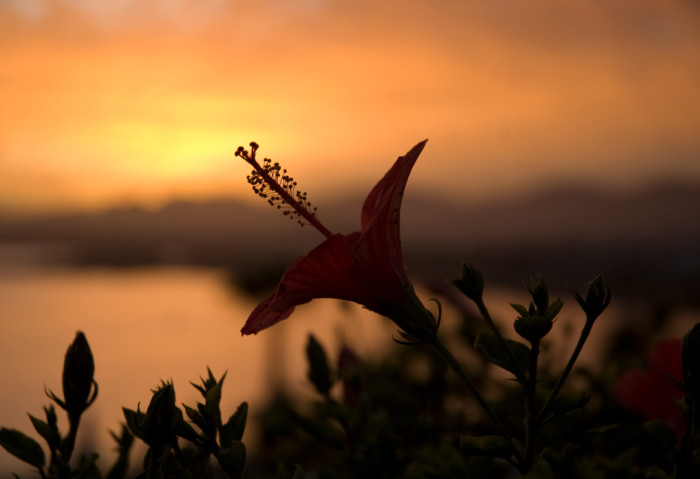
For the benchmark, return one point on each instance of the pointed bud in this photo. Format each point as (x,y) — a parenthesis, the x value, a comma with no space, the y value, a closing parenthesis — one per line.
(597,298)
(471,283)
(162,417)
(78,372)
(319,373)
(540,294)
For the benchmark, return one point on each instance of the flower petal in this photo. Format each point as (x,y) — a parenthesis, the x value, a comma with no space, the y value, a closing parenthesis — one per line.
(327,271)
(381,213)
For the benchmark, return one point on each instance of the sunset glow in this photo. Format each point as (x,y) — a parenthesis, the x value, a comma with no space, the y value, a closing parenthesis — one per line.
(126,103)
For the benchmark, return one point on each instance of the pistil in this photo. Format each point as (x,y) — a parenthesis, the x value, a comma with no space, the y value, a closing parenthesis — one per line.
(273,184)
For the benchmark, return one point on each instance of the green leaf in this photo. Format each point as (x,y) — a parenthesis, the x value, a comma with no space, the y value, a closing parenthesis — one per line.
(196,417)
(522,310)
(232,459)
(134,421)
(22,447)
(184,430)
(50,434)
(234,428)
(494,446)
(554,308)
(489,345)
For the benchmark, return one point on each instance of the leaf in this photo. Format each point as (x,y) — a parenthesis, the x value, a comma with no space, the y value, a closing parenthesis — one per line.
(196,417)
(494,446)
(184,430)
(134,421)
(45,430)
(213,399)
(522,310)
(489,345)
(234,428)
(232,459)
(22,447)
(554,308)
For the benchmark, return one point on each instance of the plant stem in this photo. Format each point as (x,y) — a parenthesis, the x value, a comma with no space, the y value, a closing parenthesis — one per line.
(520,375)
(569,366)
(532,422)
(457,368)
(68,443)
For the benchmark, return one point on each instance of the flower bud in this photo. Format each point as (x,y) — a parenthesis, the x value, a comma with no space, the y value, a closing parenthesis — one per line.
(539,293)
(597,298)
(78,372)
(471,283)
(162,417)
(319,373)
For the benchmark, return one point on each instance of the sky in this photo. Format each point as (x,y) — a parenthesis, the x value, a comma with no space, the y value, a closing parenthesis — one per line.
(133,101)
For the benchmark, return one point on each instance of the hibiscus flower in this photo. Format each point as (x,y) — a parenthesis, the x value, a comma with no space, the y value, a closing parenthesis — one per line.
(365,267)
(652,392)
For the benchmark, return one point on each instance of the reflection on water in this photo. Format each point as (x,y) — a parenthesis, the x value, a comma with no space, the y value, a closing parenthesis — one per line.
(147,325)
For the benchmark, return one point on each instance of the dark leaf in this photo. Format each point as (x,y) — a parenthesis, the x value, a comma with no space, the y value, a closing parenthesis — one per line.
(491,347)
(50,434)
(134,421)
(232,459)
(234,428)
(22,447)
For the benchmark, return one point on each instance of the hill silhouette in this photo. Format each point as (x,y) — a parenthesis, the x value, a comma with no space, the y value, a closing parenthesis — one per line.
(647,241)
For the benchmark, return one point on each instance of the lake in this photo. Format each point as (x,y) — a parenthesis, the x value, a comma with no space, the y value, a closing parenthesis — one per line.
(148,325)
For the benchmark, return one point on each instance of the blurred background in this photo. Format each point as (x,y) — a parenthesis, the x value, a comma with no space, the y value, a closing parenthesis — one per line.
(564,140)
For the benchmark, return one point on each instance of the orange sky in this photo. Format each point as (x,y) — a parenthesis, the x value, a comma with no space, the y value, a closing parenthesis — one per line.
(130,101)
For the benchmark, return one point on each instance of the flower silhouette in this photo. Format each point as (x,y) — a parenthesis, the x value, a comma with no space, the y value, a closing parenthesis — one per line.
(652,392)
(365,267)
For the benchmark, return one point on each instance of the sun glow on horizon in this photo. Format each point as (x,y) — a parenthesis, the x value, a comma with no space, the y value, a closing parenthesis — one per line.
(103,104)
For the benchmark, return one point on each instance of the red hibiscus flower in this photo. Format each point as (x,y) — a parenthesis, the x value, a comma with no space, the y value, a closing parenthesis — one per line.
(651,392)
(365,267)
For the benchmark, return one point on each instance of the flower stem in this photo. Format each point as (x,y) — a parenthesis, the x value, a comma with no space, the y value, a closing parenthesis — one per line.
(520,375)
(532,422)
(457,368)
(569,366)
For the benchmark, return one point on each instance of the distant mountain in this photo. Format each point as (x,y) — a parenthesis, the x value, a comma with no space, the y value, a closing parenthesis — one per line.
(647,240)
